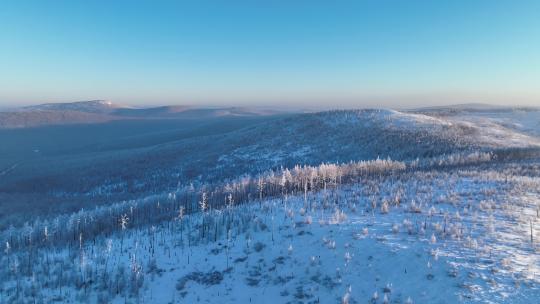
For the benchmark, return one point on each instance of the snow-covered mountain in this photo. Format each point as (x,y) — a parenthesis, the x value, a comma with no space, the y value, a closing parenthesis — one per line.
(104,165)
(186,205)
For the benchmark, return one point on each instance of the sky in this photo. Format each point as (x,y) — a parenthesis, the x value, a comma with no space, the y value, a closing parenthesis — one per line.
(282,53)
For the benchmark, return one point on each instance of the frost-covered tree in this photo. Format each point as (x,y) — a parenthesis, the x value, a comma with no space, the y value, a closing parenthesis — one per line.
(203,203)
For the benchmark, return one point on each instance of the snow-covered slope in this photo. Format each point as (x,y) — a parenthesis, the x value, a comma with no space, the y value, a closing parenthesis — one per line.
(459,236)
(488,128)
(522,121)
(504,122)
(340,136)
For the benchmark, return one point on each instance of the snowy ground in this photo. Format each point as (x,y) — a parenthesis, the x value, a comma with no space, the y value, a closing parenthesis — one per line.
(424,237)
(366,255)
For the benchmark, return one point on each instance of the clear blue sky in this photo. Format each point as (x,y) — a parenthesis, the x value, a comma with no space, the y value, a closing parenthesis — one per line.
(333,53)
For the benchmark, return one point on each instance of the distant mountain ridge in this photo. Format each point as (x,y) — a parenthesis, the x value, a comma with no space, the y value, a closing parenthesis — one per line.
(474,107)
(91,106)
(98,111)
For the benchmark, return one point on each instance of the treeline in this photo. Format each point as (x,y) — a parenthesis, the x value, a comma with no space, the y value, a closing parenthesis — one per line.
(104,220)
